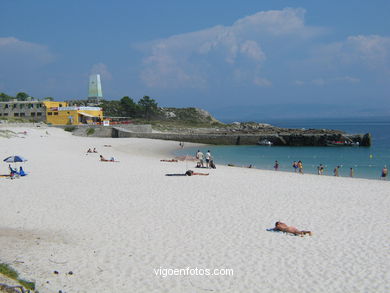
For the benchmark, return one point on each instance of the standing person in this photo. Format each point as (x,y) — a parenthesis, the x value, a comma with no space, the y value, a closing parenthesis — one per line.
(300,167)
(295,166)
(276,166)
(336,171)
(385,171)
(208,157)
(321,169)
(351,172)
(200,156)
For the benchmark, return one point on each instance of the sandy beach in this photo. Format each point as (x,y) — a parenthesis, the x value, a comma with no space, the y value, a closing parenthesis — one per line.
(110,227)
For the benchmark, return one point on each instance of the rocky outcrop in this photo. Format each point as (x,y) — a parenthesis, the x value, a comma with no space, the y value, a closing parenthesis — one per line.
(194,115)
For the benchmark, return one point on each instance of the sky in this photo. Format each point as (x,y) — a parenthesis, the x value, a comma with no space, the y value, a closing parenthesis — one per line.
(239,60)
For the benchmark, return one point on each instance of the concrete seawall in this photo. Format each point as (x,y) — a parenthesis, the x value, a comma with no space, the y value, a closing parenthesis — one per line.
(281,139)
(252,139)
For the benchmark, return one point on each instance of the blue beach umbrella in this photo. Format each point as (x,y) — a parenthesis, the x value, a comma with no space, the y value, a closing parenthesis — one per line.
(14,159)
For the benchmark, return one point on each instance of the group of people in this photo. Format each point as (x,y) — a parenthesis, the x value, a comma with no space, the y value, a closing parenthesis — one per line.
(298,166)
(204,161)
(92,151)
(15,172)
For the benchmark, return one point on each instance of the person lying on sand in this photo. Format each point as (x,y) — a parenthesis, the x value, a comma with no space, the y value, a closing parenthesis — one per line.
(171,160)
(190,173)
(279,226)
(112,159)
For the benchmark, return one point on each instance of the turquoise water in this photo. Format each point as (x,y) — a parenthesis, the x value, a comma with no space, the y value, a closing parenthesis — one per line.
(367,162)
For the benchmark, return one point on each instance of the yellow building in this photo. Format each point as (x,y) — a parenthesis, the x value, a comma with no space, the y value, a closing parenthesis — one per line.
(59,113)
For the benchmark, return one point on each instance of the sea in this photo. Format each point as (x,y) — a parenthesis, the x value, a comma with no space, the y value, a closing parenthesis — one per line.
(367,162)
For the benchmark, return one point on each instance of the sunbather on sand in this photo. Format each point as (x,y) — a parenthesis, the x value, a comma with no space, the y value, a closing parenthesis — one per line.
(171,160)
(103,159)
(279,226)
(190,173)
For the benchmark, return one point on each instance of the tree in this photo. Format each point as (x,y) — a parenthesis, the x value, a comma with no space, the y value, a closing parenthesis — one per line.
(48,99)
(148,106)
(5,98)
(112,108)
(22,96)
(129,107)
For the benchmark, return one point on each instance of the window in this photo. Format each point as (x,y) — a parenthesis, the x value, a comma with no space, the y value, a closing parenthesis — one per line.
(14,106)
(21,106)
(30,106)
(32,114)
(49,113)
(39,114)
(1,114)
(16,114)
(60,105)
(55,113)
(6,106)
(5,114)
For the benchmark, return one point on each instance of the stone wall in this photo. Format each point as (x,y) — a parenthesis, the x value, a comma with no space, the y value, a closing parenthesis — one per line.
(253,139)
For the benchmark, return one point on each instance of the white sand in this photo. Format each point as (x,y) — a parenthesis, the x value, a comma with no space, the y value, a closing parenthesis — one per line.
(112,224)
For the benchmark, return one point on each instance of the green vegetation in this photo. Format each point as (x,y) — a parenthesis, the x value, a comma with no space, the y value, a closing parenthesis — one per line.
(90,131)
(70,128)
(9,272)
(146,108)
(19,96)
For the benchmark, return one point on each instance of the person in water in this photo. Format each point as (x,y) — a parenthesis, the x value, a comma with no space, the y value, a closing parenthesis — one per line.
(280,226)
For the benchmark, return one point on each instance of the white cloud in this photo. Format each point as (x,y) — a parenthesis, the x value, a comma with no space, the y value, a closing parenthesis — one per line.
(372,51)
(298,82)
(101,68)
(21,53)
(252,50)
(194,59)
(262,82)
(328,81)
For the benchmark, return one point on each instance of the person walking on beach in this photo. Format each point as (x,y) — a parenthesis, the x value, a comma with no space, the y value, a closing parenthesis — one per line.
(300,167)
(336,171)
(385,171)
(295,166)
(208,157)
(200,156)
(320,169)
(276,166)
(351,172)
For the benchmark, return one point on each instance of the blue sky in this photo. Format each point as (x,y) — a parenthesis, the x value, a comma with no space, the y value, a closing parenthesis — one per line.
(238,59)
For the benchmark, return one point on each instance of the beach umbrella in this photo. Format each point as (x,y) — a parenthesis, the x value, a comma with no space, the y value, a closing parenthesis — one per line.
(14,159)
